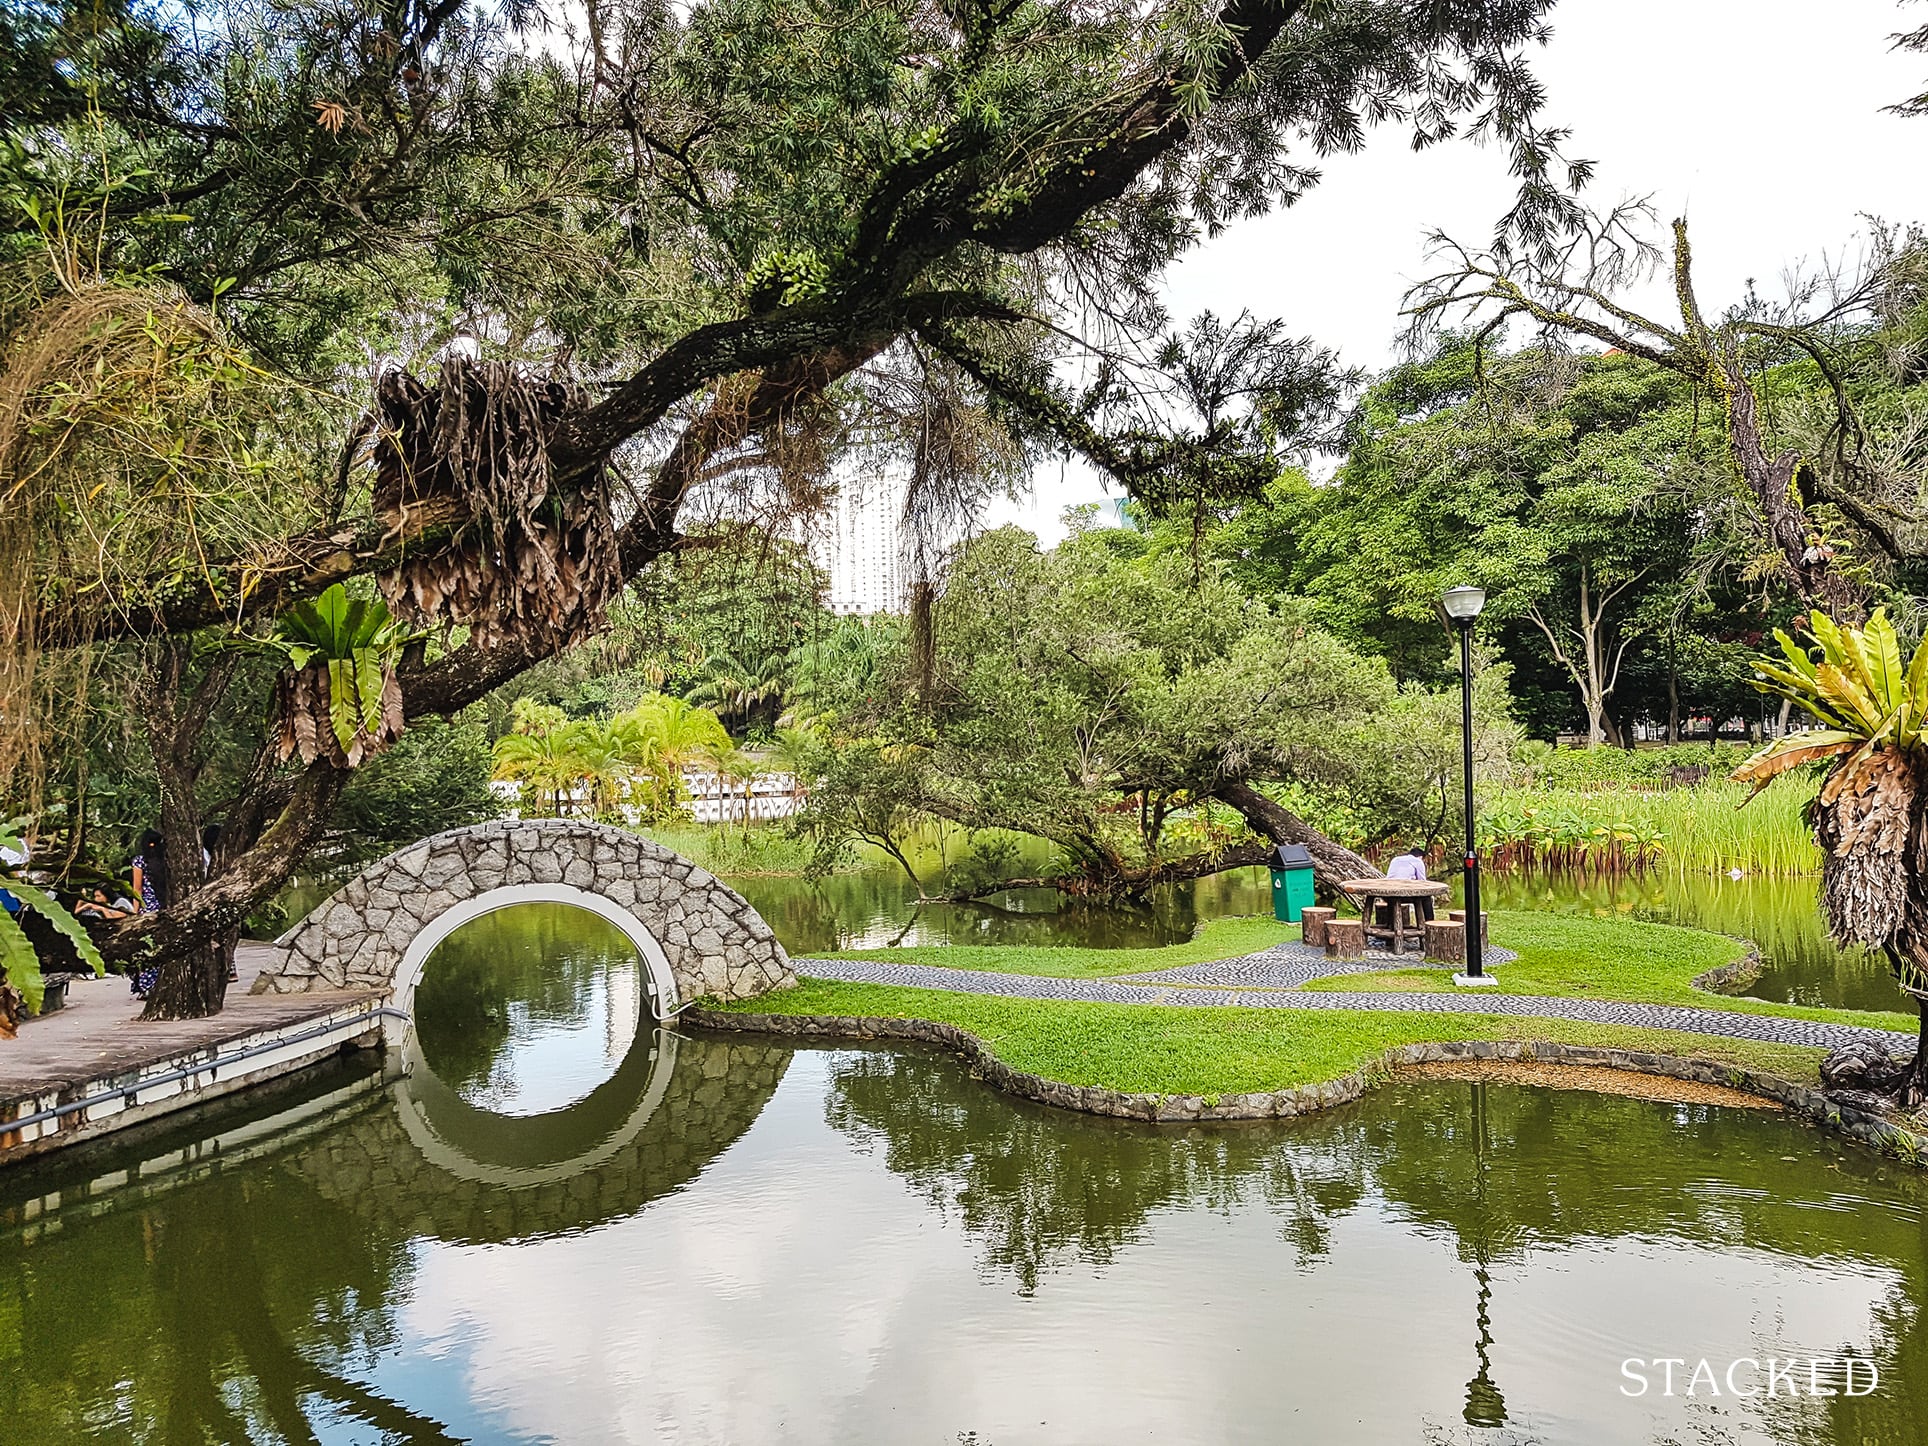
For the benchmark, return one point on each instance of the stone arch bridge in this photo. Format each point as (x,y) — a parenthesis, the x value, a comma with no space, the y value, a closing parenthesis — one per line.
(696,935)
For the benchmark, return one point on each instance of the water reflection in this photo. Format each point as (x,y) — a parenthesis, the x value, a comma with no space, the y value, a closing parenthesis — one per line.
(528,1009)
(871,1246)
(874,909)
(1782,915)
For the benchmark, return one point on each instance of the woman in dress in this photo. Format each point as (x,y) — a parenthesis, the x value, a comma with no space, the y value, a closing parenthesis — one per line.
(150,888)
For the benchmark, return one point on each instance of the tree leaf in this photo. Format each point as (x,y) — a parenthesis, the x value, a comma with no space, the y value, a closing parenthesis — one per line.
(1908,734)
(22,965)
(1792,752)
(1880,651)
(55,912)
(1852,702)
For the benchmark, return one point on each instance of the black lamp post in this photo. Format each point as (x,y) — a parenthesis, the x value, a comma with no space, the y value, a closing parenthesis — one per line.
(1462,607)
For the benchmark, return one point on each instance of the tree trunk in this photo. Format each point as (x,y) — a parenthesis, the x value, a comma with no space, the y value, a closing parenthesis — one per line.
(192,981)
(193,984)
(1596,721)
(1914,1089)
(1332,864)
(1673,693)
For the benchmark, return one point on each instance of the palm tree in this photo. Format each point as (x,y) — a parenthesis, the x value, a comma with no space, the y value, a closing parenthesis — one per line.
(541,761)
(795,752)
(733,688)
(1871,815)
(827,671)
(604,757)
(678,734)
(738,768)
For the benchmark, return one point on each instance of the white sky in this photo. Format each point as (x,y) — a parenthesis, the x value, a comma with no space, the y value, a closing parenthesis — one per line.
(1760,120)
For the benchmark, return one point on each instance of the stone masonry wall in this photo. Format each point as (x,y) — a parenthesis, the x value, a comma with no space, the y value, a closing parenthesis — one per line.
(716,944)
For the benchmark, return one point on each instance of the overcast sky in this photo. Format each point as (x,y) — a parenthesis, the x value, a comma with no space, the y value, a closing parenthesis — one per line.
(1760,120)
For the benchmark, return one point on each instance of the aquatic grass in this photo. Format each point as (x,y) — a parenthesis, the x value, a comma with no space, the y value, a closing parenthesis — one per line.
(1154,1049)
(1223,938)
(1619,828)
(762,848)
(1578,957)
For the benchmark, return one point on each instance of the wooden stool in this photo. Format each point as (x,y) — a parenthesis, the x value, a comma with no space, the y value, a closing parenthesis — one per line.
(1446,940)
(1312,925)
(1345,938)
(1458,916)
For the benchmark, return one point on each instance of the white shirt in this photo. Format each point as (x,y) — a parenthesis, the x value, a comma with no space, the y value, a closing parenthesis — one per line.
(1407,866)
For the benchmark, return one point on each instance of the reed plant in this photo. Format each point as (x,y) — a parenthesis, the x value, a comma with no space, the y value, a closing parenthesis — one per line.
(1619,830)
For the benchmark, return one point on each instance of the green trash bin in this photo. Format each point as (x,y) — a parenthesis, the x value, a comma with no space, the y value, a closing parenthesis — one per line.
(1291,882)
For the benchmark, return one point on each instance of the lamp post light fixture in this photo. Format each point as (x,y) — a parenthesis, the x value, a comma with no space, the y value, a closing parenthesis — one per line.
(1462,607)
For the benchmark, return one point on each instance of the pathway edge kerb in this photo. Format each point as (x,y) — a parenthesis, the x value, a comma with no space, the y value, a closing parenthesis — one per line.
(1811,1104)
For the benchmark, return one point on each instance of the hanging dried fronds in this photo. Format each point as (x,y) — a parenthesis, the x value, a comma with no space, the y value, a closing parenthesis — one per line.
(532,557)
(136,443)
(1863,820)
(1869,815)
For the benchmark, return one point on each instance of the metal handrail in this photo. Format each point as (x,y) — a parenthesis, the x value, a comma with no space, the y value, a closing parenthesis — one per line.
(126,1093)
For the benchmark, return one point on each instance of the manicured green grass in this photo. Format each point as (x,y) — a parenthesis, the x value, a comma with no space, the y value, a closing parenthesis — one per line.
(1586,958)
(1217,939)
(1153,1049)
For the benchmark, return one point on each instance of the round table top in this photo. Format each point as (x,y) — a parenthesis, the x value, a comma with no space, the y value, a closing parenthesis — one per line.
(1397,888)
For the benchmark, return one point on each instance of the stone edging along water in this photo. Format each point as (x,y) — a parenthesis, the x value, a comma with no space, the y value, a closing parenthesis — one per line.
(1867,1129)
(1730,977)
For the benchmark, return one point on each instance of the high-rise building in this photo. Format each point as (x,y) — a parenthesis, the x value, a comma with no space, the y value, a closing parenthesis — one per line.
(860,545)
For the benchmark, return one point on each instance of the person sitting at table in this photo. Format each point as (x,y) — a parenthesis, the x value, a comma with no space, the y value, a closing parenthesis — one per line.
(1408,864)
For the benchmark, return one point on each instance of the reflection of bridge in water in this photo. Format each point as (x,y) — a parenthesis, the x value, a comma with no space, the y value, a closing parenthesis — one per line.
(408,1157)
(227,1275)
(433,1165)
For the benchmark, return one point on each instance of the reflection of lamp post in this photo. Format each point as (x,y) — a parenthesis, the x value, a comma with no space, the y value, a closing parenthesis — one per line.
(1462,607)
(1484,1404)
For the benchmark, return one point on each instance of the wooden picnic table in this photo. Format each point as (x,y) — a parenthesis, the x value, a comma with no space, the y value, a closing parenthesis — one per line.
(1369,893)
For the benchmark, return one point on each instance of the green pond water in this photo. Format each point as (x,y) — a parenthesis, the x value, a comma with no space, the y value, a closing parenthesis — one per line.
(567,1225)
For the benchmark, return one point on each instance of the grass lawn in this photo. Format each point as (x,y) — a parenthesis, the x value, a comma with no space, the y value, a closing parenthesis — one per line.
(1583,958)
(1217,939)
(1149,1049)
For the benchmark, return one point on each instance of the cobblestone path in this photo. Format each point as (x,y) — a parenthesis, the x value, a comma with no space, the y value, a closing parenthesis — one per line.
(1267,980)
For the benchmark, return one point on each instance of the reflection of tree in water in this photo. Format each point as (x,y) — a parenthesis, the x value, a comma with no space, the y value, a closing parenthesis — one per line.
(846,909)
(1561,1168)
(1897,1414)
(1041,1187)
(243,1304)
(236,1304)
(530,963)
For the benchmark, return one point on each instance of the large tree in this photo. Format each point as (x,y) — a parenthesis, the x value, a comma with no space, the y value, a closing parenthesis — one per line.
(1552,481)
(1822,485)
(1146,716)
(677,245)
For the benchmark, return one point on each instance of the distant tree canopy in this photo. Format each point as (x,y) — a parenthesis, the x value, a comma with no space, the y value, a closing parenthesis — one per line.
(1632,563)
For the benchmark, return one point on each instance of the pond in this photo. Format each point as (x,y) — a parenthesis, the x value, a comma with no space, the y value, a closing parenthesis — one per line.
(877,907)
(732,1240)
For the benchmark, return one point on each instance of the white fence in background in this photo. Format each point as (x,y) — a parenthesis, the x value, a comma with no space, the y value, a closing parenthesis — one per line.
(715,799)
(712,798)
